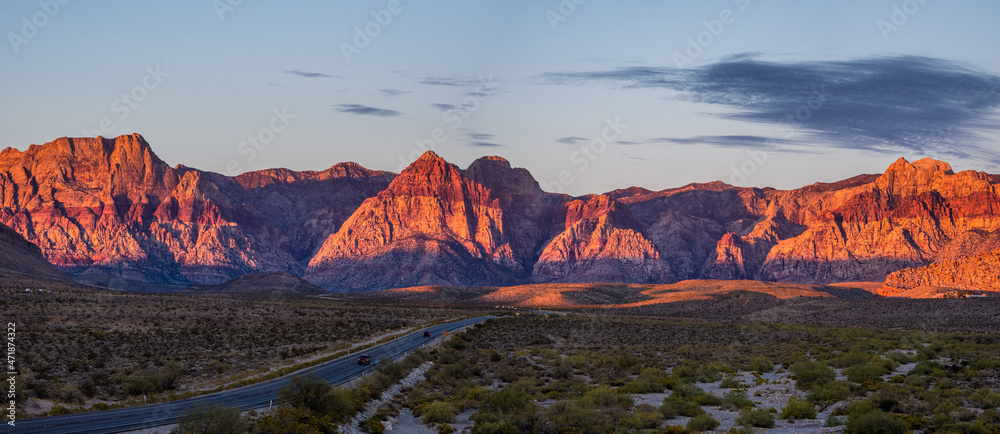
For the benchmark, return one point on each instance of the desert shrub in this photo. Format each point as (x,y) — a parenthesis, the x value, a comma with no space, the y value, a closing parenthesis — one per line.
(69,394)
(707,399)
(730,383)
(439,412)
(494,427)
(605,397)
(504,410)
(372,425)
(646,417)
(702,422)
(863,372)
(877,422)
(760,364)
(797,409)
(985,398)
(692,371)
(734,400)
(676,405)
(211,419)
(849,359)
(829,393)
(650,380)
(161,380)
(756,418)
(317,396)
(565,415)
(811,374)
(290,420)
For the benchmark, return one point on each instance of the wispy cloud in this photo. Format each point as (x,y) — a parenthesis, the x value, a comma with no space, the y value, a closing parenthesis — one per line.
(443,107)
(883,104)
(392,93)
(445,81)
(307,74)
(358,109)
(725,141)
(570,140)
(481,139)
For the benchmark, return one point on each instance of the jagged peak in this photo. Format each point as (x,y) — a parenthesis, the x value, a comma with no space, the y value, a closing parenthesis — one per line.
(430,156)
(924,164)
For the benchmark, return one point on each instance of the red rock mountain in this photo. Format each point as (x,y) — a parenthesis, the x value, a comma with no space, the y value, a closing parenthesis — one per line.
(111,206)
(976,272)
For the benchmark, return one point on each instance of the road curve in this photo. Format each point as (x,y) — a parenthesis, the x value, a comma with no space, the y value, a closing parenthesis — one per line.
(255,396)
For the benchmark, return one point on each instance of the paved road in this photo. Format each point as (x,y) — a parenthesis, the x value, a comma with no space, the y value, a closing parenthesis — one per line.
(337,372)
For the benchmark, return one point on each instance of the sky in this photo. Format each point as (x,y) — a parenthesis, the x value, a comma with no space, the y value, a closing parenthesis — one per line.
(590,96)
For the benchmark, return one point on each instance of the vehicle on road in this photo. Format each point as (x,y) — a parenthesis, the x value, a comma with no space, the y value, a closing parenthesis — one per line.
(427,334)
(364,359)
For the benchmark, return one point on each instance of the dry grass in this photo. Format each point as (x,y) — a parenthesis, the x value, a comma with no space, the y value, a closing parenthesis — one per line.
(89,344)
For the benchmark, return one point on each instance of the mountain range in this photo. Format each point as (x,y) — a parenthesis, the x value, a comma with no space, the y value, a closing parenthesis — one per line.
(99,206)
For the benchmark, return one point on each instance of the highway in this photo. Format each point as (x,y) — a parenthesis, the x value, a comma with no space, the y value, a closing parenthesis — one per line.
(255,396)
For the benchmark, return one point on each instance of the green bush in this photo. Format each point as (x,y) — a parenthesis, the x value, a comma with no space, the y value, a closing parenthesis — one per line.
(834,391)
(439,412)
(811,374)
(730,383)
(372,425)
(702,422)
(797,409)
(734,400)
(878,422)
(756,418)
(864,372)
(211,419)
(316,395)
(676,405)
(640,420)
(760,364)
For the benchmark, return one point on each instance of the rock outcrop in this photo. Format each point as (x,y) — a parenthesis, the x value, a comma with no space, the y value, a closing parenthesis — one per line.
(600,241)
(979,272)
(431,226)
(112,206)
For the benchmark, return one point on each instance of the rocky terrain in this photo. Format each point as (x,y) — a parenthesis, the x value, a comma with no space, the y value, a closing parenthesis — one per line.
(274,283)
(973,273)
(112,207)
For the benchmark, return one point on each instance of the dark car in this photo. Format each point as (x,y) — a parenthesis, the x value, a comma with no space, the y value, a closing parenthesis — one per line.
(427,334)
(364,359)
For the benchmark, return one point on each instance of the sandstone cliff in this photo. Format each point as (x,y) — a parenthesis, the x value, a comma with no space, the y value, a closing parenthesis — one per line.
(979,272)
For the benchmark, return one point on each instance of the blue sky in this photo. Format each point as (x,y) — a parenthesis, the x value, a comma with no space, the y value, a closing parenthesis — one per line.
(589,98)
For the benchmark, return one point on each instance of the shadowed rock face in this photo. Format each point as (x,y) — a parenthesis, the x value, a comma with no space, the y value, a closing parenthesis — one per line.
(17,255)
(112,206)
